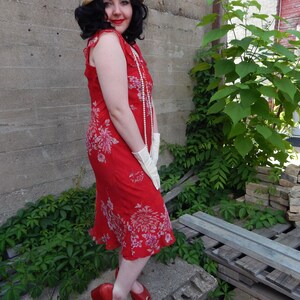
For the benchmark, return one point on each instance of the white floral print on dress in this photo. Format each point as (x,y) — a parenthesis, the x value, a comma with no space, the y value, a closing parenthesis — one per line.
(146,227)
(99,138)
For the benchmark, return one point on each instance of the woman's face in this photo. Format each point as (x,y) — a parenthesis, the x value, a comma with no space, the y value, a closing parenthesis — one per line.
(119,13)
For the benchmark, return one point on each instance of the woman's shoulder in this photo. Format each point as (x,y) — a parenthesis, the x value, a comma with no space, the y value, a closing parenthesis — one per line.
(108,35)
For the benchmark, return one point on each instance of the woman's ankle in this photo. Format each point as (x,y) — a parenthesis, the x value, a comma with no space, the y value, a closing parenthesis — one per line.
(137,287)
(118,294)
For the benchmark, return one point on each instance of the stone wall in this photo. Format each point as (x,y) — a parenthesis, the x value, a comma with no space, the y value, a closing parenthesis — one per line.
(44,102)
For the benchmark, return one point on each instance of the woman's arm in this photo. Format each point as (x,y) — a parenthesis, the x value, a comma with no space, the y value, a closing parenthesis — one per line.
(110,64)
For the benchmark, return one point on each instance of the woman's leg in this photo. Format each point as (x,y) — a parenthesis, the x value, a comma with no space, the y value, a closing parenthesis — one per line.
(136,287)
(129,270)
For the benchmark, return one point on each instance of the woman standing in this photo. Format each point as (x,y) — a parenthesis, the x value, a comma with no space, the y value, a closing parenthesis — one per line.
(122,142)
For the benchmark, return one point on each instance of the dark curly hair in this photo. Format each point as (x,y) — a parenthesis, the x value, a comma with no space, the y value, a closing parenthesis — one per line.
(92,17)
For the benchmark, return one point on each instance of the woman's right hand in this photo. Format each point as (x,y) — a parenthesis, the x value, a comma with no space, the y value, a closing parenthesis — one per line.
(147,164)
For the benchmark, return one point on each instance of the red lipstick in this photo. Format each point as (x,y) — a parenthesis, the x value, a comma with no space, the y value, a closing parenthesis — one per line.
(118,22)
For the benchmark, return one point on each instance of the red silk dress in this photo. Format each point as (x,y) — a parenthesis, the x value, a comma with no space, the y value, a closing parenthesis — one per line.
(130,212)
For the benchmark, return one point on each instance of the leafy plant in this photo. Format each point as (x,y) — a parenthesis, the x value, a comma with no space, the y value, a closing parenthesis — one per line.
(193,252)
(250,72)
(254,215)
(223,291)
(53,247)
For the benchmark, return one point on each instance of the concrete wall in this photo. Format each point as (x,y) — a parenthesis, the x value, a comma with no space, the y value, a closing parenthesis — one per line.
(44,102)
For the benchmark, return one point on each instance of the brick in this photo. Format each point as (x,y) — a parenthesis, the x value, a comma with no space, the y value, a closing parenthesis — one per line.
(264,178)
(294,201)
(280,191)
(291,178)
(256,200)
(263,170)
(295,209)
(260,188)
(280,200)
(240,199)
(257,195)
(292,170)
(293,216)
(278,206)
(286,183)
(295,192)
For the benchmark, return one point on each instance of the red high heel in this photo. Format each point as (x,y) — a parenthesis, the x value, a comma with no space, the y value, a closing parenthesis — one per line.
(103,292)
(144,295)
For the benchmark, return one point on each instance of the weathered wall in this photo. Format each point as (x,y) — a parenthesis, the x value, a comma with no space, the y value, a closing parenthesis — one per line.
(290,10)
(44,102)
(268,7)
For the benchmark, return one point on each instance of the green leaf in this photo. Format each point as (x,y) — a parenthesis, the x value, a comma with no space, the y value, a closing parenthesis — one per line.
(210,18)
(224,92)
(284,52)
(234,14)
(261,108)
(210,2)
(243,145)
(214,84)
(269,91)
(216,107)
(265,131)
(70,250)
(248,97)
(235,111)
(244,43)
(254,30)
(244,68)
(276,140)
(216,34)
(238,129)
(224,66)
(254,3)
(242,213)
(286,86)
(260,16)
(283,67)
(201,67)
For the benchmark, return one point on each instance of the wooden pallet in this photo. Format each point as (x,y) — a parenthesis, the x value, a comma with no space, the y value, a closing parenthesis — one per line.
(264,260)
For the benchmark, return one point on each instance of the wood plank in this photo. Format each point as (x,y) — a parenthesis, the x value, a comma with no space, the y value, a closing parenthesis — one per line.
(247,277)
(176,225)
(209,242)
(227,253)
(251,265)
(266,232)
(276,255)
(279,228)
(178,189)
(248,235)
(285,281)
(258,290)
(289,240)
(189,232)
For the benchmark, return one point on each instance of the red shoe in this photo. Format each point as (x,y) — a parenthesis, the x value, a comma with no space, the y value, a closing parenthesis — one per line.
(144,295)
(103,292)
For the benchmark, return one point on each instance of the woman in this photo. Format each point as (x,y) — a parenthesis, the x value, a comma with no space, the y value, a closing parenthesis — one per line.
(122,142)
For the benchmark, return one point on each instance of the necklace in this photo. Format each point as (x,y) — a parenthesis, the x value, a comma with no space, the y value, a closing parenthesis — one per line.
(146,97)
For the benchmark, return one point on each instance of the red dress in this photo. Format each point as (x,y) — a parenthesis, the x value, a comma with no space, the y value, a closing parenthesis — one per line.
(130,212)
